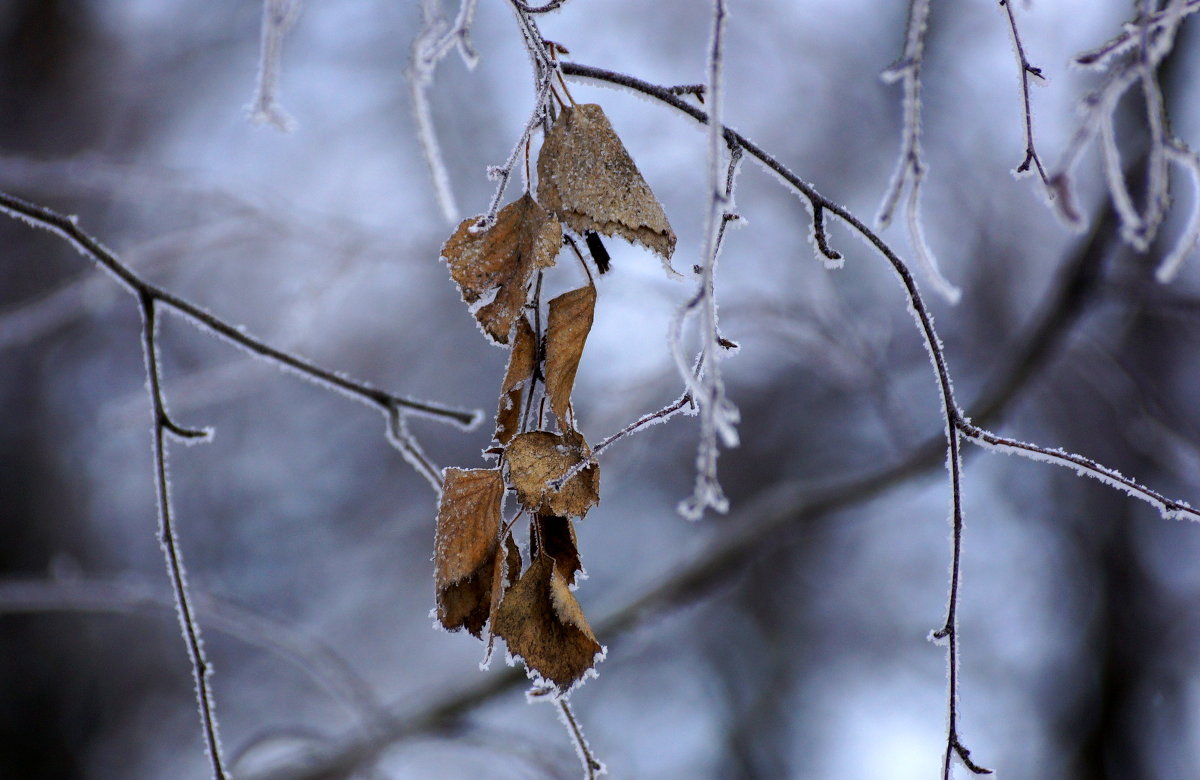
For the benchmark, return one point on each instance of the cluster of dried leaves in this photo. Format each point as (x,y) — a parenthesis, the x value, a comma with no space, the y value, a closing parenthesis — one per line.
(587,184)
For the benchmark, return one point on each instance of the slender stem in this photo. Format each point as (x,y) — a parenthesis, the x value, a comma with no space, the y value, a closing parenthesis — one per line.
(592,767)
(201,669)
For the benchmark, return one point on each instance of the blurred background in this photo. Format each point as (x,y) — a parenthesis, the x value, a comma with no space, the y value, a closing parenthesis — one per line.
(308,538)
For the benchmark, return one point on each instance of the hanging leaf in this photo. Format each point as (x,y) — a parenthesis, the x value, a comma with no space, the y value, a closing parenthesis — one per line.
(538,458)
(522,362)
(506,571)
(570,321)
(590,182)
(502,259)
(557,537)
(544,626)
(465,548)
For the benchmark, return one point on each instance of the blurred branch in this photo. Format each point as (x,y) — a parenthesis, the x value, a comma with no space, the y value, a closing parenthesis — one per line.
(310,655)
(277,18)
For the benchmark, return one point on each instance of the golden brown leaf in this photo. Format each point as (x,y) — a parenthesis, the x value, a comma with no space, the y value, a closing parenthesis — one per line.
(537,458)
(465,546)
(522,362)
(590,182)
(557,539)
(544,625)
(570,321)
(502,258)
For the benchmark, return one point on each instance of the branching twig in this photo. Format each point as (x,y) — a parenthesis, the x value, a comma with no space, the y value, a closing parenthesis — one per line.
(1027,69)
(718,416)
(1129,36)
(1134,57)
(201,670)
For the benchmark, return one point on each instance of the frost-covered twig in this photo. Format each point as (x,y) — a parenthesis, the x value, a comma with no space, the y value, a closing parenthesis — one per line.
(1169,508)
(592,768)
(1181,155)
(434,42)
(1032,161)
(910,168)
(277,18)
(163,424)
(502,173)
(1132,58)
(718,415)
(1100,56)
(410,448)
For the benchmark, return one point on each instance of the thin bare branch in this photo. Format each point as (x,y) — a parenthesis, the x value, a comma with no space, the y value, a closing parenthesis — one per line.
(201,669)
(1027,70)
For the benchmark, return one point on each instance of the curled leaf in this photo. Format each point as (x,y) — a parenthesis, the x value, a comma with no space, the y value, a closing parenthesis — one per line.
(522,362)
(502,259)
(543,624)
(538,458)
(465,546)
(570,321)
(555,537)
(590,182)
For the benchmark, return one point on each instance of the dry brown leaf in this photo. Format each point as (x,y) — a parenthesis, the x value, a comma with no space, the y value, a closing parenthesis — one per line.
(506,569)
(590,182)
(502,258)
(557,537)
(465,548)
(522,362)
(544,625)
(570,321)
(537,458)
